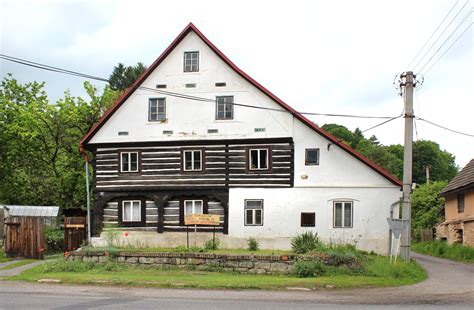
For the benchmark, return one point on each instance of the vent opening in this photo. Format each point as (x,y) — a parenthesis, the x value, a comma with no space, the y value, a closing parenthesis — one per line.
(123,133)
(167,132)
(190,85)
(259,129)
(220,84)
(212,130)
(160,85)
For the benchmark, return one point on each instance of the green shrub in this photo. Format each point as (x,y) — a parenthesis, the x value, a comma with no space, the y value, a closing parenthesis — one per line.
(212,244)
(252,244)
(54,239)
(456,252)
(309,268)
(337,259)
(306,242)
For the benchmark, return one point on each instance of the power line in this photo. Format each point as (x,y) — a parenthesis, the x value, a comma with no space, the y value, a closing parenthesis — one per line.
(174,94)
(446,40)
(446,128)
(457,39)
(439,37)
(383,123)
(429,39)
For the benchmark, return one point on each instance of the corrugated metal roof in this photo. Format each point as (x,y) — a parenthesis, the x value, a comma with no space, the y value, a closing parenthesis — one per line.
(40,211)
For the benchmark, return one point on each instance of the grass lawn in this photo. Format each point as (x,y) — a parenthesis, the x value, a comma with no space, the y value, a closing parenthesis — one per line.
(2,257)
(378,273)
(456,252)
(19,264)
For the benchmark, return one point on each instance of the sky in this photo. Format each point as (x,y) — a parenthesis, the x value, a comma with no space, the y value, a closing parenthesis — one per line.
(318,56)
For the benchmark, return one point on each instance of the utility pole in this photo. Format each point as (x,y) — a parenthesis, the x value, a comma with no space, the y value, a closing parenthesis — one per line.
(428,167)
(407,82)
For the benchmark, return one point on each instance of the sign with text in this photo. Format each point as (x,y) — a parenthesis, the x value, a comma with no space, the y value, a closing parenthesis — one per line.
(202,219)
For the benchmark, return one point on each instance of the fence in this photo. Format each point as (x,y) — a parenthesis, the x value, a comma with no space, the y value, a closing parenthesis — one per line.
(24,237)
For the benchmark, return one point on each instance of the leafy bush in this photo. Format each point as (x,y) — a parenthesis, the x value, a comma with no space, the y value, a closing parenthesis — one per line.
(341,258)
(252,244)
(306,242)
(54,239)
(309,268)
(212,244)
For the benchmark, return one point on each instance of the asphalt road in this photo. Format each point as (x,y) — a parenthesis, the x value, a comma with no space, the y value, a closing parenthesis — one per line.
(450,286)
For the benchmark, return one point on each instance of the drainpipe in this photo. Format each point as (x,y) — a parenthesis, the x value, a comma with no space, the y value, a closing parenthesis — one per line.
(86,160)
(392,207)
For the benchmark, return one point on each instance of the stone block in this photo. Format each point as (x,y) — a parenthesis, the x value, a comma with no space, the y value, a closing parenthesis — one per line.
(146,260)
(131,260)
(262,265)
(103,259)
(120,259)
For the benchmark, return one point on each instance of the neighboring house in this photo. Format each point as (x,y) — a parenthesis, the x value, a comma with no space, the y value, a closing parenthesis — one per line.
(458,226)
(270,173)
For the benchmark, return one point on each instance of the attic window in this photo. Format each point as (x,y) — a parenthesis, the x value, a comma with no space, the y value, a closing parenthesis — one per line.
(191,61)
(221,84)
(190,85)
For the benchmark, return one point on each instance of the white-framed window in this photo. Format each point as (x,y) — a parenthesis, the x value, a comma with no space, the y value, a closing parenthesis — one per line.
(192,160)
(128,161)
(253,212)
(157,109)
(258,159)
(311,157)
(225,107)
(343,214)
(131,211)
(193,207)
(191,61)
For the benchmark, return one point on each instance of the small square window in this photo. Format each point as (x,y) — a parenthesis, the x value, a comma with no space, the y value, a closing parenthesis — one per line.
(308,219)
(157,109)
(191,62)
(253,212)
(192,160)
(258,159)
(128,161)
(312,157)
(225,107)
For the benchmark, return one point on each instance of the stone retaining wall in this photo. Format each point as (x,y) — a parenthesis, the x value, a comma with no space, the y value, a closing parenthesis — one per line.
(256,264)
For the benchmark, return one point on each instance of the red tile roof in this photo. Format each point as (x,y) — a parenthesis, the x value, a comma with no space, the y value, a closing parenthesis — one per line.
(221,55)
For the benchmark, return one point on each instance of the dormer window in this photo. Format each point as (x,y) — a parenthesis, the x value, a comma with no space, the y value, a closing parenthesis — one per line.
(191,61)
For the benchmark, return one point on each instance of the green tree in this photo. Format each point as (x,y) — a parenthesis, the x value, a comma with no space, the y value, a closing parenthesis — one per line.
(340,132)
(123,77)
(427,205)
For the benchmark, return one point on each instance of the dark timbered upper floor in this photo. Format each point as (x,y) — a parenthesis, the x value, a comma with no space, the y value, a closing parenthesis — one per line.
(194,164)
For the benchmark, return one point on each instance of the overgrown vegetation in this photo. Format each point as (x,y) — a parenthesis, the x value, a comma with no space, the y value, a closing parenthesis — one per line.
(305,242)
(54,239)
(252,244)
(2,256)
(441,249)
(212,244)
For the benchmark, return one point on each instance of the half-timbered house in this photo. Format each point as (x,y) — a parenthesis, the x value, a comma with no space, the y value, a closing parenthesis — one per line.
(195,134)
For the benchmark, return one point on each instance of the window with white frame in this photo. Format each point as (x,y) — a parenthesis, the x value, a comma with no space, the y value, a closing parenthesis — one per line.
(343,214)
(225,107)
(253,212)
(258,159)
(191,62)
(192,160)
(157,109)
(193,207)
(128,161)
(131,211)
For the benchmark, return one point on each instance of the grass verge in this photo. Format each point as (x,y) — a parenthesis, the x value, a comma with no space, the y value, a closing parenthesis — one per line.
(19,264)
(2,257)
(456,252)
(379,273)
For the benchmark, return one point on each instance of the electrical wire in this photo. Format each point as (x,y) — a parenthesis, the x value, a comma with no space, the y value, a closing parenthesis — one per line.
(174,94)
(383,123)
(429,39)
(439,37)
(454,42)
(445,128)
(446,40)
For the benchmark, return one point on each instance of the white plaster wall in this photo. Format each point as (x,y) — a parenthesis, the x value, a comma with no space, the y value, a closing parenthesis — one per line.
(189,119)
(282,209)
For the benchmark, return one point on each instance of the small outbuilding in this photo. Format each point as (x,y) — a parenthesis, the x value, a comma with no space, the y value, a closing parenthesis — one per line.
(49,214)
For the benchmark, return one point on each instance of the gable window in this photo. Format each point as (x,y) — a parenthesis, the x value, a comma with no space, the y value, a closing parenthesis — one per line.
(253,212)
(157,109)
(311,157)
(129,162)
(460,198)
(258,159)
(224,107)
(343,214)
(191,62)
(192,160)
(193,207)
(308,219)
(131,211)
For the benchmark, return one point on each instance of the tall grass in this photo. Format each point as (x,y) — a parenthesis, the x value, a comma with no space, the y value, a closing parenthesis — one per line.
(457,252)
